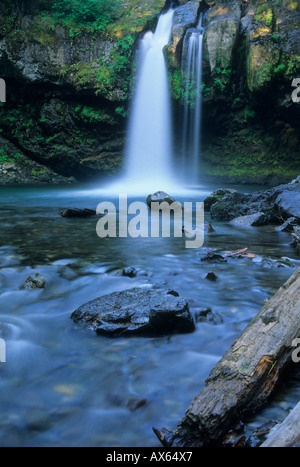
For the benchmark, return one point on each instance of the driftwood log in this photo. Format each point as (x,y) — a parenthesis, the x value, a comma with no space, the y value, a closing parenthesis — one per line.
(246,376)
(287,434)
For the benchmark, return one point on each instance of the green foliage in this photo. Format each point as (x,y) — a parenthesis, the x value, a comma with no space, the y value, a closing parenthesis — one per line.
(120,111)
(88,15)
(175,83)
(276,38)
(122,54)
(264,15)
(91,115)
(8,156)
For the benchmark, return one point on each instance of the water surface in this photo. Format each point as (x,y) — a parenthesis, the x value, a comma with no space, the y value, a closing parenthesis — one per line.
(62,386)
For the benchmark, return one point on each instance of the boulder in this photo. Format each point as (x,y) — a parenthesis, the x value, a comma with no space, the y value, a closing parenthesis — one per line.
(281,202)
(159,197)
(256,219)
(216,196)
(136,311)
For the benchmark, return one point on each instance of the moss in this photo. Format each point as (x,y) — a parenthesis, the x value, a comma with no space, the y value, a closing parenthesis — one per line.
(254,154)
(93,115)
(175,83)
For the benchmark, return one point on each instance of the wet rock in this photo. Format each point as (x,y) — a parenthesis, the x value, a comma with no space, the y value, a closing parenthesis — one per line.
(296,238)
(135,403)
(213,257)
(207,316)
(35,281)
(216,196)
(277,203)
(136,311)
(222,30)
(268,263)
(129,272)
(161,196)
(297,180)
(211,276)
(79,213)
(288,226)
(184,17)
(256,219)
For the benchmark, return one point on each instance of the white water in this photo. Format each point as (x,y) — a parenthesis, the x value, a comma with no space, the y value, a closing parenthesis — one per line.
(149,153)
(192,69)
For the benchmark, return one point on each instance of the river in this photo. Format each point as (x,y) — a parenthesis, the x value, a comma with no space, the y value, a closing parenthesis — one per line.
(64,386)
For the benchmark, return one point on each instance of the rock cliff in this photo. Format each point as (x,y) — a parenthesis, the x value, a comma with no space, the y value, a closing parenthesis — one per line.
(70,80)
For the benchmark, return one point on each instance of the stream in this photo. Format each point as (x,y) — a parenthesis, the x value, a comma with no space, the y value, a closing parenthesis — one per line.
(65,386)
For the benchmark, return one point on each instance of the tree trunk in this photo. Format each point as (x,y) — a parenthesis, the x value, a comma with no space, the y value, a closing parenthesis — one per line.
(243,380)
(287,434)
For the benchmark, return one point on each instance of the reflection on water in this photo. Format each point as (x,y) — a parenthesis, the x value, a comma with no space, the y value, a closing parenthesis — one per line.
(62,386)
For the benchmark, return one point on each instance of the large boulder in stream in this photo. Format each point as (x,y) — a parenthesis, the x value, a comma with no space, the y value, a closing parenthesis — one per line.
(136,311)
(274,205)
(162,197)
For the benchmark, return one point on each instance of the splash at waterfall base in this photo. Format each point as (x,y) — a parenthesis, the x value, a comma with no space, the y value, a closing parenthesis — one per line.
(160,220)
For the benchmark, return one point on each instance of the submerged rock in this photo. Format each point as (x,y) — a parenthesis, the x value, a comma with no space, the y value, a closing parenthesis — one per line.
(35,281)
(136,311)
(129,272)
(135,403)
(207,316)
(212,257)
(211,276)
(80,213)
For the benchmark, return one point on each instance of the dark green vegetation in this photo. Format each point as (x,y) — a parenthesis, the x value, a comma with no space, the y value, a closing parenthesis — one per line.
(70,66)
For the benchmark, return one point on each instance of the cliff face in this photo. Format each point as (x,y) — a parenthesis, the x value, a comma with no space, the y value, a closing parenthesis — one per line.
(69,85)
(251,56)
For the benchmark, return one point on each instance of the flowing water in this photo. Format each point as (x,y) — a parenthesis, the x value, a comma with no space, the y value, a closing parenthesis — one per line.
(148,156)
(62,386)
(192,75)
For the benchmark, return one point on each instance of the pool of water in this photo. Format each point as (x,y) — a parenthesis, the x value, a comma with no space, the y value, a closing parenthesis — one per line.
(62,386)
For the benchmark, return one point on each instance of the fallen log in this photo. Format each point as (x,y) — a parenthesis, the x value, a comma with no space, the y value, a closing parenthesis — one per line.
(287,434)
(246,376)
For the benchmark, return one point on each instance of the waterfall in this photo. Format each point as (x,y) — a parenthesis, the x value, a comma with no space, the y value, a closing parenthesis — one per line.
(148,154)
(192,115)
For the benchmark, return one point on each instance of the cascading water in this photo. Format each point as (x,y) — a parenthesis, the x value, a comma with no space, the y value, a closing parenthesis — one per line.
(192,74)
(148,156)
